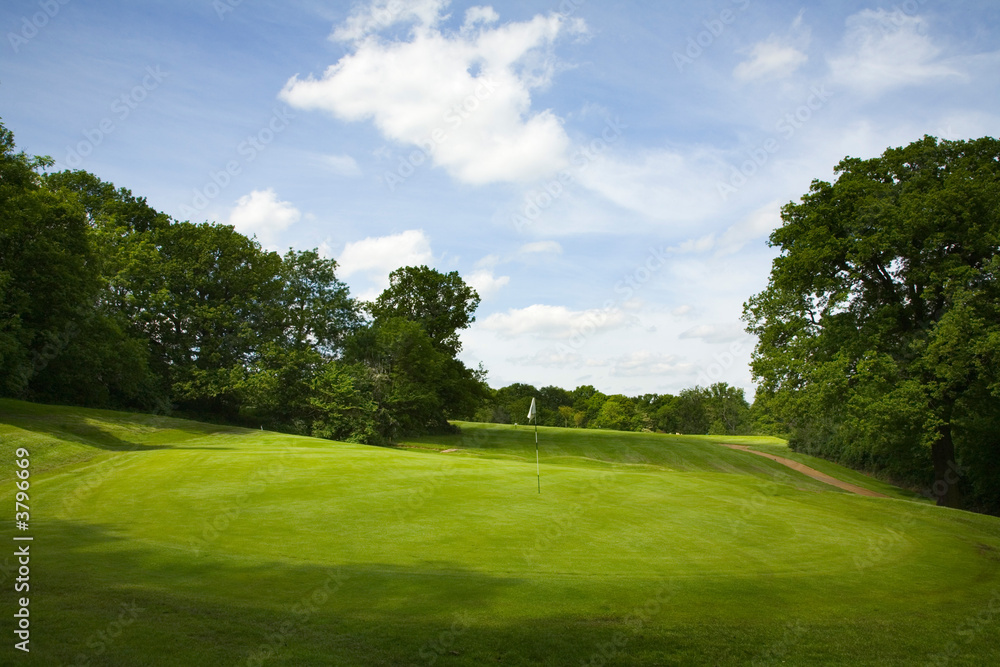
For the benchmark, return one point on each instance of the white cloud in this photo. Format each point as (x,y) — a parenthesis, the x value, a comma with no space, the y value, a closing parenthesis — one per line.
(776,57)
(342,165)
(380,256)
(884,50)
(486,283)
(539,248)
(261,214)
(476,15)
(662,185)
(681,311)
(488,262)
(698,245)
(550,358)
(715,333)
(965,124)
(770,59)
(556,322)
(381,14)
(757,225)
(463,99)
(643,363)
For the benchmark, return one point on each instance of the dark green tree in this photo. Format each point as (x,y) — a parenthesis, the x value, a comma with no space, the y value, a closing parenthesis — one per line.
(49,280)
(619,413)
(550,399)
(514,401)
(691,411)
(879,331)
(207,304)
(662,410)
(315,306)
(344,402)
(727,409)
(440,302)
(587,402)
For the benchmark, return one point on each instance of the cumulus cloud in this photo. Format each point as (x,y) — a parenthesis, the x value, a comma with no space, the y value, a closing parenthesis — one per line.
(883,50)
(260,214)
(486,283)
(462,99)
(556,322)
(380,256)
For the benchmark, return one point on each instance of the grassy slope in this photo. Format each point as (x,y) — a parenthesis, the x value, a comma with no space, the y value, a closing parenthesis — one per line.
(237,545)
(659,452)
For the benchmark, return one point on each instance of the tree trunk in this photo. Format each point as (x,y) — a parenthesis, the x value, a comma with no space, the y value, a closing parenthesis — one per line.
(947,476)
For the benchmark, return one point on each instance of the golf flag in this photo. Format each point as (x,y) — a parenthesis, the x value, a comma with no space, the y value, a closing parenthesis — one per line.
(532,414)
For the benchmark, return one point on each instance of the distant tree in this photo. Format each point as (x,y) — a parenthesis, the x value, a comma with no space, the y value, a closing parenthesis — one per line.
(691,411)
(663,411)
(515,400)
(108,361)
(490,411)
(879,331)
(550,398)
(587,401)
(617,412)
(567,416)
(727,409)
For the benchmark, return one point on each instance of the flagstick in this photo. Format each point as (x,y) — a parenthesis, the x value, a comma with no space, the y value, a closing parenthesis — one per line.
(532,412)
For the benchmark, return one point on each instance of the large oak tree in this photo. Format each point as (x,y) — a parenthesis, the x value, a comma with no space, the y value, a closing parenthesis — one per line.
(879,331)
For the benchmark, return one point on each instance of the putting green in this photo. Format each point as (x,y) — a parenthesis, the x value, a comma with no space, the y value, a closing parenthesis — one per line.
(162,541)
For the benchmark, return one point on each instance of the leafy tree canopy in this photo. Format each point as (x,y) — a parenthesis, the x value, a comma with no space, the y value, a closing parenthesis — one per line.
(879,331)
(440,302)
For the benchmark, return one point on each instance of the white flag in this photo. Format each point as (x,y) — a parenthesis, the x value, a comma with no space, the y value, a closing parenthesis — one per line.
(531,410)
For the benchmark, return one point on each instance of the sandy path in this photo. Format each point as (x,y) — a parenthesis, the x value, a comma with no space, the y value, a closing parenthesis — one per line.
(811,472)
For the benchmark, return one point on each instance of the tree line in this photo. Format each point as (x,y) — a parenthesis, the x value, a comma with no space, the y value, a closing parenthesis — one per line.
(720,409)
(106,302)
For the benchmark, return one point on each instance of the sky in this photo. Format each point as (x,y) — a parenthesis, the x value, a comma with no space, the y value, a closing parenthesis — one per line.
(606,175)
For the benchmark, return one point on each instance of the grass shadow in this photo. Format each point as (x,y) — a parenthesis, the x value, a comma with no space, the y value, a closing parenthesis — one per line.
(97,428)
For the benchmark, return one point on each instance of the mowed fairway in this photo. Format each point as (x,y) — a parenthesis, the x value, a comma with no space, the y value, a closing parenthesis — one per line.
(162,541)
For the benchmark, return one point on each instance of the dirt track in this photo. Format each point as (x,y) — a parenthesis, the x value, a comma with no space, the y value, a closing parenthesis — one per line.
(811,472)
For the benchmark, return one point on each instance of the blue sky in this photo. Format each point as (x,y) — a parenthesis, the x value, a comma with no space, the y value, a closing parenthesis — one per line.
(606,174)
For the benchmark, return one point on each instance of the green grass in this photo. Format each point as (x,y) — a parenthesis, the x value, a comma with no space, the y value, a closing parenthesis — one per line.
(162,541)
(836,470)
